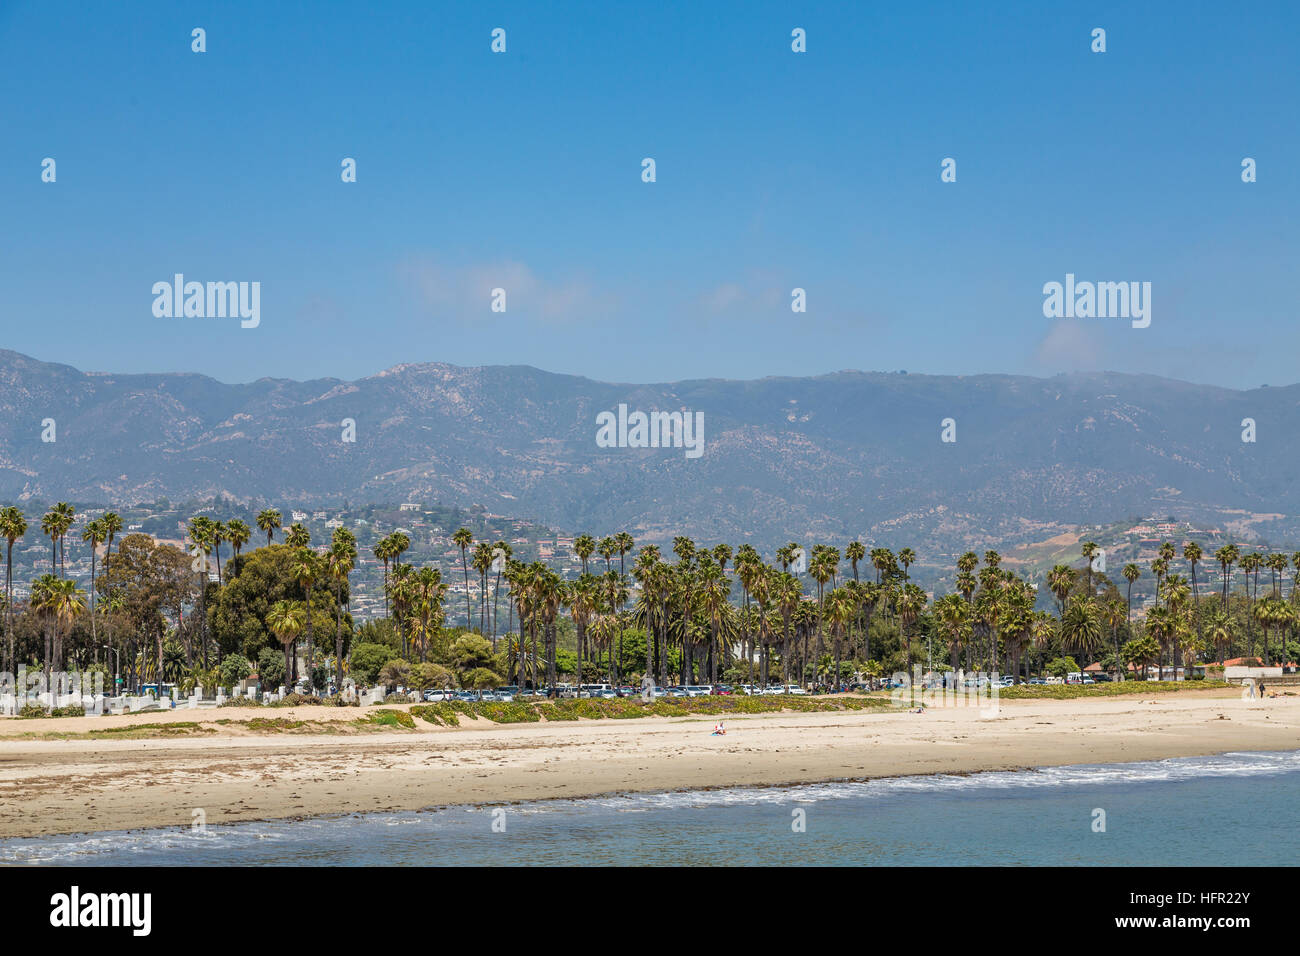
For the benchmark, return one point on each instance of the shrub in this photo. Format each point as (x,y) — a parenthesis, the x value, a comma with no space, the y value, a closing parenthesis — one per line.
(270,667)
(395,671)
(235,668)
(391,718)
(367,659)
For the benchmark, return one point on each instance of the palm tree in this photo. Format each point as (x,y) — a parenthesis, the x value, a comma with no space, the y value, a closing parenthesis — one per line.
(268,520)
(1059,581)
(1192,554)
(583,601)
(1116,614)
(1227,557)
(306,570)
(911,603)
(237,533)
(43,601)
(1250,565)
(506,551)
(953,615)
(1220,634)
(339,562)
(463,538)
(218,535)
(715,594)
(50,528)
(112,523)
(285,620)
(1089,551)
(584,546)
(428,605)
(94,534)
(1081,626)
(383,551)
(297,536)
(1131,573)
(67,604)
(66,514)
(482,563)
(13,525)
(906,558)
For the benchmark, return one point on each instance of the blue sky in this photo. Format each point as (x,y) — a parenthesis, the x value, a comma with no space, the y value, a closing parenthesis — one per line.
(775,170)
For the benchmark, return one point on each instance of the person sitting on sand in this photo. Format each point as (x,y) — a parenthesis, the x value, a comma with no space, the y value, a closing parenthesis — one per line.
(719,730)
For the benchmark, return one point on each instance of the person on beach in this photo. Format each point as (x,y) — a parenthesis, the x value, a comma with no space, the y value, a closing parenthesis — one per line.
(719,730)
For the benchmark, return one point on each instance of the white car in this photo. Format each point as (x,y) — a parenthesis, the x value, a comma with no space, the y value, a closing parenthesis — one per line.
(695,690)
(795,689)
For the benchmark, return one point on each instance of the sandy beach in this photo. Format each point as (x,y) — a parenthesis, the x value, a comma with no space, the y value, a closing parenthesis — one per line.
(236,773)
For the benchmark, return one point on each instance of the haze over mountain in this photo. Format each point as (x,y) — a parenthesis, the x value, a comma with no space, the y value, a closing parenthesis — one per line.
(825,458)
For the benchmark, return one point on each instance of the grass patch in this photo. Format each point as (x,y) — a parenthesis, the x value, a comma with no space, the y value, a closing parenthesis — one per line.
(1118,689)
(387,718)
(448,713)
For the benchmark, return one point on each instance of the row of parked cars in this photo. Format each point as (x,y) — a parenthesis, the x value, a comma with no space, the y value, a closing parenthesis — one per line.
(605,691)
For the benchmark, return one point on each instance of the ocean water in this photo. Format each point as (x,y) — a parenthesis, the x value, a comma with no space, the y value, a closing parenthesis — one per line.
(1216,811)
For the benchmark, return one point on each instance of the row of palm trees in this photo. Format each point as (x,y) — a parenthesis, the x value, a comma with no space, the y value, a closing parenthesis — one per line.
(696,626)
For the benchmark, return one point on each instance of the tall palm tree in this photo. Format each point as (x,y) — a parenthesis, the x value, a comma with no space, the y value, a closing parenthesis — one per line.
(463,538)
(50,528)
(383,551)
(1089,551)
(1193,554)
(1250,565)
(66,515)
(1059,581)
(13,525)
(297,536)
(911,603)
(584,546)
(268,520)
(339,562)
(42,601)
(94,535)
(1115,613)
(306,570)
(1131,573)
(285,620)
(200,531)
(1227,557)
(906,558)
(238,534)
(218,535)
(504,548)
(429,592)
(482,563)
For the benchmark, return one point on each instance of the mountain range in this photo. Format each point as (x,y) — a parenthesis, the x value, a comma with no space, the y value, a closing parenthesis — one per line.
(826,458)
